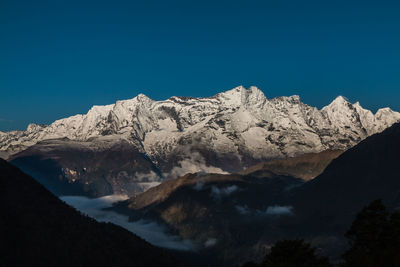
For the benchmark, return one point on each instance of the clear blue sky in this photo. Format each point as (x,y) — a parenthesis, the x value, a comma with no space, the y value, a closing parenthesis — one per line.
(58,58)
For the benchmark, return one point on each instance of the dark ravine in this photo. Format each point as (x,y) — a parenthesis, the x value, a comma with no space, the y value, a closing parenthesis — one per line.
(38,229)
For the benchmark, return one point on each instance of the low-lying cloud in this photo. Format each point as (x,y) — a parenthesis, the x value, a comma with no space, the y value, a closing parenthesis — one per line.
(193,163)
(199,186)
(150,231)
(210,242)
(147,177)
(279,210)
(270,211)
(244,210)
(223,192)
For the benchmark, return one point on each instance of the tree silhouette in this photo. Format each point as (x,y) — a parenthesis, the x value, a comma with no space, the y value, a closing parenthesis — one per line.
(374,238)
(292,253)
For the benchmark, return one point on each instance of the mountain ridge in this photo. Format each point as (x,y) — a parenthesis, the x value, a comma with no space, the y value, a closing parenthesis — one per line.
(225,133)
(113,118)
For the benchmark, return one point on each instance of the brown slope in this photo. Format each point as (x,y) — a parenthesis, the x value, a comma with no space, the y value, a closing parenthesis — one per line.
(306,166)
(38,229)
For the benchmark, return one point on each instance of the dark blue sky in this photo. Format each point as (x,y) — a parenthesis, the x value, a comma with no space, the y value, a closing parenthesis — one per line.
(58,58)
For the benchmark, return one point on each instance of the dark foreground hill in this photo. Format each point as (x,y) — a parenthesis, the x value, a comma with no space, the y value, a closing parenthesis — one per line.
(368,171)
(38,229)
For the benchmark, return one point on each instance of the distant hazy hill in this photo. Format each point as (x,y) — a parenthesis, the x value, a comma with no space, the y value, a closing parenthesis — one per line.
(38,229)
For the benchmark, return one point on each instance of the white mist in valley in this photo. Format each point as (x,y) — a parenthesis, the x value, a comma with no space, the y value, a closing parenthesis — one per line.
(152,232)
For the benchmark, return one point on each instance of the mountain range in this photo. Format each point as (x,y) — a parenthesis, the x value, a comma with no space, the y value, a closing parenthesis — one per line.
(132,145)
(232,174)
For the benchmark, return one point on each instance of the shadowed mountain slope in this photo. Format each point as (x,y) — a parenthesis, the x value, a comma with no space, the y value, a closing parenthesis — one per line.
(92,168)
(366,172)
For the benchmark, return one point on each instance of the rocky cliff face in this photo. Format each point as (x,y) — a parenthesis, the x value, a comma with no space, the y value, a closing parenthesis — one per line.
(224,133)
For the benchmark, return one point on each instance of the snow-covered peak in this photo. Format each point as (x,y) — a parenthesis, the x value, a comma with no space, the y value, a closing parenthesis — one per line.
(294,99)
(32,127)
(240,96)
(100,110)
(387,115)
(142,98)
(232,98)
(341,113)
(253,97)
(339,102)
(384,111)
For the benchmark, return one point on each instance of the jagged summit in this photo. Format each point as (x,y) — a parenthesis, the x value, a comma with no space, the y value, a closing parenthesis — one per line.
(228,131)
(143,98)
(341,99)
(338,103)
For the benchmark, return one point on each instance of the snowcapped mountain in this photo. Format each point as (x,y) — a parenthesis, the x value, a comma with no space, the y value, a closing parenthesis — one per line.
(237,123)
(223,133)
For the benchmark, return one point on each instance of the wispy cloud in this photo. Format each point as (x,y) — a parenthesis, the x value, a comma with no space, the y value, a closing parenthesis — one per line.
(210,242)
(279,210)
(199,186)
(244,210)
(224,191)
(148,230)
(270,211)
(192,163)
